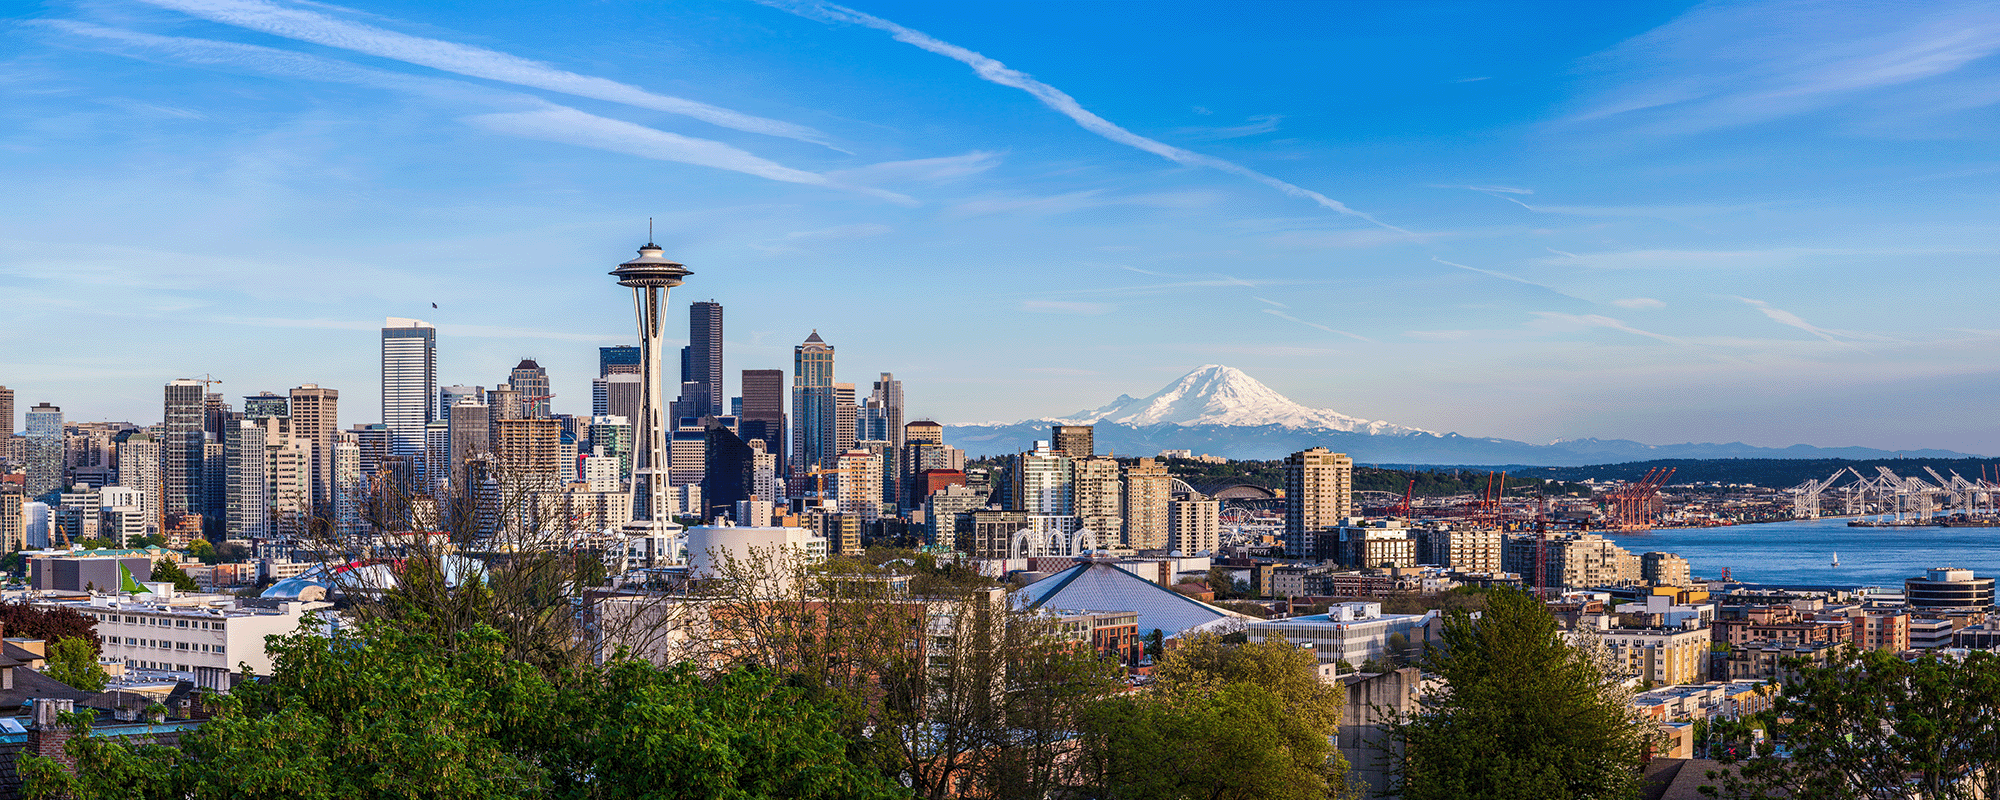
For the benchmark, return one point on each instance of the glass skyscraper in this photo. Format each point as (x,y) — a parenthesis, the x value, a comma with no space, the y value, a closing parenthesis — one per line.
(409,383)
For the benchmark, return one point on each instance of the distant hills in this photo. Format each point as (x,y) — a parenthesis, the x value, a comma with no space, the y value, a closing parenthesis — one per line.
(1222,411)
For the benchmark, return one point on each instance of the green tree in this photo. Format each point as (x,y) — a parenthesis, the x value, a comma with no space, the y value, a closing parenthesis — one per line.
(169,572)
(1521,713)
(74,663)
(1222,722)
(1873,725)
(387,713)
(201,550)
(1222,584)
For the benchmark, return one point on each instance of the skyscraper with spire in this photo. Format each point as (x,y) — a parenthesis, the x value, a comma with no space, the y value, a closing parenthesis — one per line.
(815,416)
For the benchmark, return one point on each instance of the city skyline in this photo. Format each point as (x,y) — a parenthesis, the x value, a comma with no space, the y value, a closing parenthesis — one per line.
(1616,222)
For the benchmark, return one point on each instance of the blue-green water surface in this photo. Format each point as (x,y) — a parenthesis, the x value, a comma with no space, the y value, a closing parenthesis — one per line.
(1801,553)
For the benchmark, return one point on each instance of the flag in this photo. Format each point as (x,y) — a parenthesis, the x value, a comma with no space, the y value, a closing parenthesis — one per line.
(127,582)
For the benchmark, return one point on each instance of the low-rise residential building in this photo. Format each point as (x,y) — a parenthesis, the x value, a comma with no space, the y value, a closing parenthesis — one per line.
(1781,624)
(1373,544)
(1574,560)
(1465,549)
(1881,630)
(1660,656)
(1768,660)
(1713,700)
(1350,632)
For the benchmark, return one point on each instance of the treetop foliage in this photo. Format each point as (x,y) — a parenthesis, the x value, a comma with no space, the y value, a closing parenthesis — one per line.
(50,625)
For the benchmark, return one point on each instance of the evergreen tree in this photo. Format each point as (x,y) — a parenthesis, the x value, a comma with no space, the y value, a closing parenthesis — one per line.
(169,572)
(1521,714)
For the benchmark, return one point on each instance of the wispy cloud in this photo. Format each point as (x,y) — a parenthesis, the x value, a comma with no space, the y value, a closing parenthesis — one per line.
(996,72)
(1505,277)
(1077,201)
(1284,316)
(1263,123)
(477,62)
(1736,259)
(925,170)
(525,116)
(1727,64)
(1066,307)
(800,240)
(570,126)
(1638,303)
(1474,80)
(1486,189)
(1580,321)
(1784,317)
(1271,302)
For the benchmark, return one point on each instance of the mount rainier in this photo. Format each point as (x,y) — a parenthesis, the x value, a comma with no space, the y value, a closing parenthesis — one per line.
(1222,411)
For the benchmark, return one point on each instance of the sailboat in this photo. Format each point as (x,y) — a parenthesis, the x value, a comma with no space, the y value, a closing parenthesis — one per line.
(1836,559)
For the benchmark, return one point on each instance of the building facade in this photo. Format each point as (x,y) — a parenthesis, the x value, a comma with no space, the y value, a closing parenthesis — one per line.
(1319,492)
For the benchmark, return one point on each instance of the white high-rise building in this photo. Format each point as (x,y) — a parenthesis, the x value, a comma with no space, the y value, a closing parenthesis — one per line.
(860,487)
(409,383)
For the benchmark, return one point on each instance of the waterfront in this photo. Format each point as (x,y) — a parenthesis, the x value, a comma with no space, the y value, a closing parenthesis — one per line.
(1802,552)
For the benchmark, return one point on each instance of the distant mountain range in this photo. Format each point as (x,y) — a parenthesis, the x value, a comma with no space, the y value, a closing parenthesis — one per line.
(1221,411)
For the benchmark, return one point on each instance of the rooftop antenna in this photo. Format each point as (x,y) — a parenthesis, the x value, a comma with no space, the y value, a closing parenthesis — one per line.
(649,230)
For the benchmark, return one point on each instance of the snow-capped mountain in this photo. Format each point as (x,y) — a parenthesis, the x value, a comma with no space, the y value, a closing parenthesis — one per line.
(1221,411)
(1214,394)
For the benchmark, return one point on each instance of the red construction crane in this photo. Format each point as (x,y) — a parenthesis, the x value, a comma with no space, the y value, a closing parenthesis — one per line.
(1403,508)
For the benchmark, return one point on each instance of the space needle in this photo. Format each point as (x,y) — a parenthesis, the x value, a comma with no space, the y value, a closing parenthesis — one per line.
(650,276)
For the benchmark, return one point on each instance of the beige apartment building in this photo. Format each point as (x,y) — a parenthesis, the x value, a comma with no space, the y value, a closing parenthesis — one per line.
(1319,493)
(1146,495)
(1660,656)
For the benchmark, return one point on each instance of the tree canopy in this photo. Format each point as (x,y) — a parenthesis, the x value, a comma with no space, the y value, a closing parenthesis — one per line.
(73,661)
(47,624)
(385,713)
(1223,722)
(1521,714)
(1873,725)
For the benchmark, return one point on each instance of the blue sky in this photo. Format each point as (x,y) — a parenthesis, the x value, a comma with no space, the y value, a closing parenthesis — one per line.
(1771,222)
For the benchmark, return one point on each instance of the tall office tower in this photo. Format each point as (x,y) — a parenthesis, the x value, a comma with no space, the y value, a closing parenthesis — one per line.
(506,403)
(623,395)
(437,454)
(814,418)
(6,413)
(651,277)
(214,476)
(265,406)
(600,397)
(763,414)
(287,482)
(1319,493)
(1146,497)
(214,415)
(860,488)
(13,519)
(764,483)
(316,419)
(409,383)
(373,441)
(180,447)
(1075,441)
(729,473)
(704,361)
(247,448)
(611,437)
(872,422)
(76,515)
(924,430)
(888,397)
(471,438)
(844,416)
(1194,524)
(532,382)
(450,395)
(1099,497)
(139,469)
(620,359)
(1044,483)
(350,488)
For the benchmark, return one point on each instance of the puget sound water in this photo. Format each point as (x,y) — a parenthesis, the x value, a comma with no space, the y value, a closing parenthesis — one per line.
(1801,553)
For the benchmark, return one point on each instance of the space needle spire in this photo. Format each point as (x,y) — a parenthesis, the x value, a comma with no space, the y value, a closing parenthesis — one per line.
(651,276)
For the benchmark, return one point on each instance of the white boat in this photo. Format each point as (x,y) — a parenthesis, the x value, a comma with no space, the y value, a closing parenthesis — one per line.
(1836,559)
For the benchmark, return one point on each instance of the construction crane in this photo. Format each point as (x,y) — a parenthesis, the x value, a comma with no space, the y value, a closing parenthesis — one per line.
(1541,547)
(1805,496)
(1403,508)
(1632,504)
